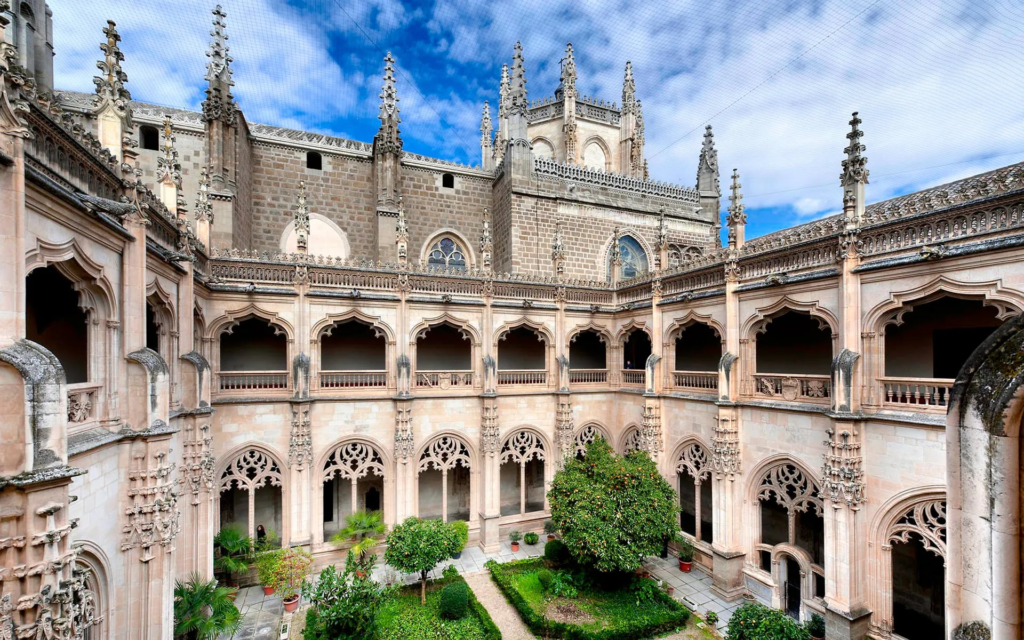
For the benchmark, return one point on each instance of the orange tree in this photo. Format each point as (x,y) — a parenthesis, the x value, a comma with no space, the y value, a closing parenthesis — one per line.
(417,546)
(613,511)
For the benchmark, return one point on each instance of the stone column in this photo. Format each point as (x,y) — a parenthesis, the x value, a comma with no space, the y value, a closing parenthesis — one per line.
(300,460)
(490,445)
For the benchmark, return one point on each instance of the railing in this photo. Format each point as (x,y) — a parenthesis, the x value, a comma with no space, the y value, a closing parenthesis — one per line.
(353,379)
(509,378)
(920,394)
(252,380)
(83,399)
(633,377)
(790,387)
(588,376)
(699,380)
(443,379)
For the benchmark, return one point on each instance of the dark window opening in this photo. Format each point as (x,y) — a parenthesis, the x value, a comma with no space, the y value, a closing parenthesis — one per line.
(819,585)
(774,523)
(588,351)
(353,346)
(792,591)
(810,534)
(149,138)
(707,511)
(937,337)
(330,488)
(687,504)
(253,345)
(795,343)
(54,320)
(314,160)
(448,181)
(152,329)
(918,591)
(521,349)
(698,348)
(443,348)
(766,561)
(635,350)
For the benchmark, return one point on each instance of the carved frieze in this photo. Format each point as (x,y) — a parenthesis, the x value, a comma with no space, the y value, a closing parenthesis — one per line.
(842,476)
(300,443)
(725,448)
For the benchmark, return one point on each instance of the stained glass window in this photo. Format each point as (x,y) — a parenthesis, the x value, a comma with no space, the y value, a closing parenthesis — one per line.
(634,258)
(446,253)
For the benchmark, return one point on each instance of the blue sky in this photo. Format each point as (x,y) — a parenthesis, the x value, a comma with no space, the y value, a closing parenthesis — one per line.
(938,83)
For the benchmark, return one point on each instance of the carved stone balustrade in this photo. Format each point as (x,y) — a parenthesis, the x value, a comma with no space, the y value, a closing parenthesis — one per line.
(353,379)
(522,378)
(244,381)
(916,394)
(588,376)
(701,381)
(444,380)
(793,387)
(633,377)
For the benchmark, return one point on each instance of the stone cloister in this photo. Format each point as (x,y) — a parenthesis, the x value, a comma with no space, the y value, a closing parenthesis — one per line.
(210,322)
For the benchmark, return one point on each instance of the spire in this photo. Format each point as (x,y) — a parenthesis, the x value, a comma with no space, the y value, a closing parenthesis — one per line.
(737,218)
(567,93)
(567,84)
(504,93)
(204,210)
(519,103)
(636,160)
(855,166)
(486,246)
(708,163)
(219,103)
(388,136)
(302,220)
(628,91)
(110,87)
(486,146)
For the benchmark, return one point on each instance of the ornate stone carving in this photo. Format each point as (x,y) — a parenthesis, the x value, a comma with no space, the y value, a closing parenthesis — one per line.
(725,448)
(789,487)
(444,453)
(564,438)
(650,429)
(521,447)
(388,138)
(153,516)
(197,461)
(842,475)
(486,127)
(558,249)
(486,245)
(708,161)
(489,438)
(633,441)
(628,91)
(405,445)
(204,210)
(855,165)
(975,630)
(219,103)
(694,459)
(301,220)
(353,461)
(80,405)
(927,520)
(300,443)
(110,89)
(587,434)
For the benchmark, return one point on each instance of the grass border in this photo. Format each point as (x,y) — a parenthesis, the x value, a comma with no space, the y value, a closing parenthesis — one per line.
(541,626)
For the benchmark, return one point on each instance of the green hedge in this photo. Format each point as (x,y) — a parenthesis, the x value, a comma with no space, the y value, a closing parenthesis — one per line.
(541,626)
(491,629)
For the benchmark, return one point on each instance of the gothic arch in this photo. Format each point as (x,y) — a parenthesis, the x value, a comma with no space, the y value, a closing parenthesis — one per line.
(327,468)
(688,453)
(689,318)
(546,335)
(764,475)
(327,324)
(650,252)
(156,291)
(626,329)
(1007,302)
(468,330)
(464,244)
(445,456)
(762,317)
(589,432)
(340,238)
(88,277)
(545,141)
(630,437)
(538,441)
(230,319)
(599,141)
(96,612)
(248,467)
(603,332)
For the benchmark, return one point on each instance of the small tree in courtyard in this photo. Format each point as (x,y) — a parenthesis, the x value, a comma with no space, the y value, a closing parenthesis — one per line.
(344,604)
(417,546)
(612,511)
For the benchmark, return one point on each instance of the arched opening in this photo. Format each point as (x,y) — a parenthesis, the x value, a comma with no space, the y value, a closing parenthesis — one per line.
(542,149)
(54,319)
(250,493)
(522,357)
(632,441)
(925,352)
(314,160)
(792,596)
(632,257)
(594,157)
(353,354)
(447,253)
(522,474)
(696,502)
(149,138)
(444,357)
(583,437)
(636,348)
(92,601)
(448,181)
(443,482)
(588,358)
(353,480)
(253,355)
(152,329)
(793,358)
(918,590)
(698,348)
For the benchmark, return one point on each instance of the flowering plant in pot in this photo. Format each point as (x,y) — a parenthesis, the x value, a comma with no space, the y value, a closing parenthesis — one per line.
(515,537)
(550,529)
(686,552)
(531,538)
(291,575)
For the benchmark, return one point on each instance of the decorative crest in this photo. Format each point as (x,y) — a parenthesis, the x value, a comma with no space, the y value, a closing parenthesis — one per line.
(204,210)
(628,91)
(485,125)
(168,165)
(855,165)
(567,86)
(302,220)
(110,87)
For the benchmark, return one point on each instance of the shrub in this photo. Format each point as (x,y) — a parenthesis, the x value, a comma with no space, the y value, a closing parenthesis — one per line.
(450,573)
(613,511)
(562,585)
(290,576)
(711,618)
(816,626)
(515,536)
(266,566)
(531,538)
(416,546)
(343,605)
(462,528)
(362,532)
(454,600)
(544,578)
(754,621)
(549,527)
(203,610)
(555,552)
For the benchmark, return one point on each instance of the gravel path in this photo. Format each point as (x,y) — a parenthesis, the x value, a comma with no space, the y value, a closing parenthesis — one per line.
(507,619)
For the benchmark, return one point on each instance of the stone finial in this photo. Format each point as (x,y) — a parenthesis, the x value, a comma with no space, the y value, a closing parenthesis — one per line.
(402,234)
(302,220)
(567,85)
(504,93)
(519,101)
(707,165)
(389,135)
(486,245)
(204,210)
(219,103)
(855,165)
(486,128)
(558,248)
(110,87)
(737,216)
(168,167)
(662,232)
(637,163)
(628,91)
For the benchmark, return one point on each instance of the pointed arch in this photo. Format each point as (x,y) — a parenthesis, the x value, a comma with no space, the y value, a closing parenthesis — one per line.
(326,324)
(589,432)
(230,319)
(88,277)
(630,439)
(249,467)
(464,244)
(605,149)
(762,316)
(1007,302)
(602,331)
(468,331)
(689,318)
(629,327)
(680,451)
(546,334)
(156,291)
(761,485)
(446,455)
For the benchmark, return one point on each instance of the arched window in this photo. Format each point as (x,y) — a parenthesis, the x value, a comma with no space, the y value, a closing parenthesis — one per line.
(522,357)
(314,160)
(250,493)
(918,548)
(448,181)
(353,480)
(594,157)
(522,474)
(542,149)
(253,355)
(633,256)
(693,469)
(636,348)
(588,358)
(444,357)
(348,347)
(446,253)
(54,319)
(584,436)
(444,480)
(149,138)
(633,441)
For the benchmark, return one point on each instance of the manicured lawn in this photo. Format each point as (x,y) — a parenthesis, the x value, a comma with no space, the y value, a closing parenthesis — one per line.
(619,609)
(404,618)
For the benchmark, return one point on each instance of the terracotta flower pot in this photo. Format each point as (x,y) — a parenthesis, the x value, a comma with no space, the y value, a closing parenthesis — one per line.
(233,595)
(670,590)
(817,637)
(268,591)
(515,546)
(291,603)
(551,537)
(685,566)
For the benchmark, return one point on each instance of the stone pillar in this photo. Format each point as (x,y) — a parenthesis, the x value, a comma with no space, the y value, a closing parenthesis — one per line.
(405,464)
(196,478)
(490,445)
(300,460)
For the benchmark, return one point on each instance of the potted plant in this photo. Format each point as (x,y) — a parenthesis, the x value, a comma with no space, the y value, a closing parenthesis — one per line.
(462,528)
(669,589)
(361,531)
(291,575)
(711,618)
(235,553)
(686,552)
(550,529)
(515,537)
(203,609)
(531,538)
(266,568)
(816,627)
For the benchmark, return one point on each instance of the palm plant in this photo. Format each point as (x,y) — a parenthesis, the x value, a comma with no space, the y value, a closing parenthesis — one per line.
(362,529)
(203,610)
(235,551)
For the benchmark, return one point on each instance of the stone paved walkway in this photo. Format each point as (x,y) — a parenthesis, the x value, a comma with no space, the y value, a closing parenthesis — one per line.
(692,589)
(261,615)
(502,613)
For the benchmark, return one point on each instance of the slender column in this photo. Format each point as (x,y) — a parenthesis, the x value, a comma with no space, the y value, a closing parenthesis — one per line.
(490,445)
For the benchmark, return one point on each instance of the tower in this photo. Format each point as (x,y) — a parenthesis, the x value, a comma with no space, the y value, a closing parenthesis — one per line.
(707,183)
